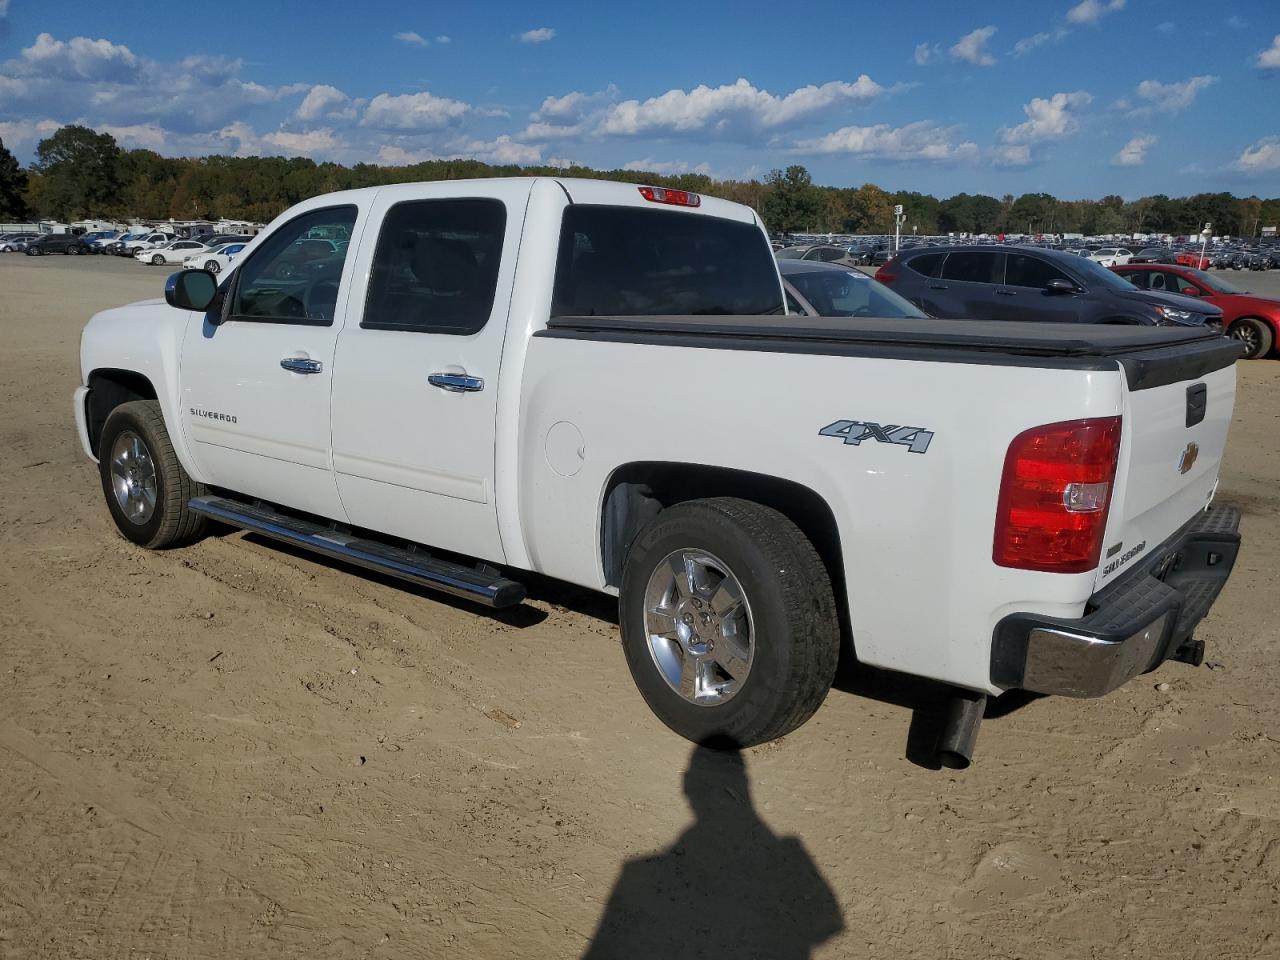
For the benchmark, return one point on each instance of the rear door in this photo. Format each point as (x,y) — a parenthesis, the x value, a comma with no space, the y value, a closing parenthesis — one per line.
(416,390)
(966,287)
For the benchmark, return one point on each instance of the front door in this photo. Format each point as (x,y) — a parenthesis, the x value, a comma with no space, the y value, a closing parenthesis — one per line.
(416,385)
(1025,293)
(256,388)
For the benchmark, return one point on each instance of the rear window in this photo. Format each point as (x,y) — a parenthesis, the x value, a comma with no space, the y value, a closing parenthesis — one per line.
(625,261)
(926,264)
(970,267)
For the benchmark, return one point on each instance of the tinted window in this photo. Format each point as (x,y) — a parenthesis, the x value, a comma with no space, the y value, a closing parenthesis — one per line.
(926,264)
(971,267)
(793,305)
(435,269)
(626,261)
(839,293)
(290,280)
(826,254)
(1167,281)
(1137,277)
(790,253)
(1022,270)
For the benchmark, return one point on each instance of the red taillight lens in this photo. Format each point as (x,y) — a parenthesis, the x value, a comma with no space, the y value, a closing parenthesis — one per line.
(885,276)
(1055,494)
(678,198)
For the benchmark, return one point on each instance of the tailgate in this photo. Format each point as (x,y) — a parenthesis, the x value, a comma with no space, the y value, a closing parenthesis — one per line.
(1175,431)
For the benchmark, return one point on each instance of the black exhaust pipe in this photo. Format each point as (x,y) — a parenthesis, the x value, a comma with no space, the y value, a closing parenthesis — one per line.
(960,732)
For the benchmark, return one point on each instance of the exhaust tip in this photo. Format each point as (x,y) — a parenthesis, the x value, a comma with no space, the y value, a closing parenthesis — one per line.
(960,731)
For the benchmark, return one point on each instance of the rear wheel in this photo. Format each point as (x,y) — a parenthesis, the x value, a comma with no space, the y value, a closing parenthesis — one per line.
(146,488)
(1254,334)
(729,623)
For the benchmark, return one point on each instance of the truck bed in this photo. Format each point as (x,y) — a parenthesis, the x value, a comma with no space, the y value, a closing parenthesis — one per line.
(1151,356)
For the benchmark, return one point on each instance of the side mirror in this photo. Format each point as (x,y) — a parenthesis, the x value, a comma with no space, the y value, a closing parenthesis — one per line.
(191,290)
(1190,291)
(1059,285)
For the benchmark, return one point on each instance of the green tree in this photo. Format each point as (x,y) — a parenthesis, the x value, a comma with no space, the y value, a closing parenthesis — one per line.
(791,202)
(81,175)
(13,187)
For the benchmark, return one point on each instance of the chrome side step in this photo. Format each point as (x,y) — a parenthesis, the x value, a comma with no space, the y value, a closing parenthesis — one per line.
(415,565)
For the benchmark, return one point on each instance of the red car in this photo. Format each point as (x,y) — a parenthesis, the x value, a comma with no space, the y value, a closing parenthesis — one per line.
(1193,260)
(1253,320)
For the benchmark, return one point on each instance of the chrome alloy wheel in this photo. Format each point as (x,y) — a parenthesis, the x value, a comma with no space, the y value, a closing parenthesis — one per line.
(699,625)
(1247,334)
(133,477)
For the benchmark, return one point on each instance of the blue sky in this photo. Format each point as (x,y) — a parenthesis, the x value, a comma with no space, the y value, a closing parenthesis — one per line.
(1079,98)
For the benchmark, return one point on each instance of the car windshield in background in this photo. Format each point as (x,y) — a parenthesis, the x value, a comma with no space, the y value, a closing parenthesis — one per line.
(1094,272)
(839,293)
(790,253)
(1215,283)
(626,261)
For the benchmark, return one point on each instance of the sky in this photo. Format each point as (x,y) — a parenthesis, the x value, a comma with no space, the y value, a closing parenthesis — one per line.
(1078,98)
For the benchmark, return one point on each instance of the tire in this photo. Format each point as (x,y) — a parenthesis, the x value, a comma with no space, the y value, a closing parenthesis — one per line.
(212,267)
(135,440)
(785,610)
(1255,334)
(157,260)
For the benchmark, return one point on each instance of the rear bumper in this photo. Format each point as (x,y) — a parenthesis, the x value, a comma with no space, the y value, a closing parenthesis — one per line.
(1132,625)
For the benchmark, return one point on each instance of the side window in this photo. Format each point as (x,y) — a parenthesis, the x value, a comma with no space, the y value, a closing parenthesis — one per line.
(926,264)
(793,306)
(1137,277)
(1159,280)
(1022,270)
(293,277)
(435,269)
(1179,283)
(970,267)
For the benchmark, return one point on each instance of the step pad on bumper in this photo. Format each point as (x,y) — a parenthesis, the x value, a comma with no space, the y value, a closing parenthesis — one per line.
(413,564)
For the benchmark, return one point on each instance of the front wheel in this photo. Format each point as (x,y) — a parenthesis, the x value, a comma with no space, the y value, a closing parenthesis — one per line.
(212,266)
(147,489)
(1254,334)
(729,622)
(157,260)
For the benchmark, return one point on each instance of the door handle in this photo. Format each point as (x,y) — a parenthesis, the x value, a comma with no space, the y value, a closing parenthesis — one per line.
(301,365)
(1006,293)
(456,382)
(937,286)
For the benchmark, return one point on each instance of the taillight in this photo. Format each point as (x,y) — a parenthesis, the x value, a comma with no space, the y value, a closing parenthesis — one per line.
(884,275)
(678,198)
(1055,494)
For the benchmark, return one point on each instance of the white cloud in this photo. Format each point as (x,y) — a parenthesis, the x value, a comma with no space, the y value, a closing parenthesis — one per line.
(81,59)
(1269,59)
(4,9)
(1047,119)
(737,107)
(972,47)
(326,101)
(1172,97)
(1134,153)
(411,38)
(921,140)
(413,111)
(442,38)
(305,142)
(1091,11)
(668,167)
(26,131)
(926,54)
(1027,44)
(1261,157)
(539,35)
(392,155)
(500,150)
(146,136)
(1011,155)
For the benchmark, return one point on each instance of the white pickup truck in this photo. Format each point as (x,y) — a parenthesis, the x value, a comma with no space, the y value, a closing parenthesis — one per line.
(456,382)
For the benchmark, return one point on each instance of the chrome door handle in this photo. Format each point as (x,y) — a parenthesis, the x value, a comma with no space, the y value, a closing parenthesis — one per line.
(301,365)
(456,382)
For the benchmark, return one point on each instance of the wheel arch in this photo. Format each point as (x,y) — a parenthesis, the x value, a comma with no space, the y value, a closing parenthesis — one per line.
(109,387)
(637,492)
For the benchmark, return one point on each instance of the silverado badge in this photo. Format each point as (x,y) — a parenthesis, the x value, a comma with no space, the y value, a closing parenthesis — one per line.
(1188,458)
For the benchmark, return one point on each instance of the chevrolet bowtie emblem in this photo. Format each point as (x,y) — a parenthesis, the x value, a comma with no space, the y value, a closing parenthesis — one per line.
(1188,458)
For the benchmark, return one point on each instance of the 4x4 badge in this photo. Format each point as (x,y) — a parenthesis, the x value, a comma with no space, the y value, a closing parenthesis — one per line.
(915,439)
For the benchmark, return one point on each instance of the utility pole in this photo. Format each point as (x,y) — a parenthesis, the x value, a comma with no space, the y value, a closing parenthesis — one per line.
(898,219)
(1205,234)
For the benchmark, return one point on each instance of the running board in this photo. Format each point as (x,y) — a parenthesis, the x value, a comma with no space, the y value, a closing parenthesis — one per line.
(415,565)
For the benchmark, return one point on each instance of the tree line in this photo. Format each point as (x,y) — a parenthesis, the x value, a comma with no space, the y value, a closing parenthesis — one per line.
(80,173)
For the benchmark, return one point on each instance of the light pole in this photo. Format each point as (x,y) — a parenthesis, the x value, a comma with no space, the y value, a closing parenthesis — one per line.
(1204,240)
(898,218)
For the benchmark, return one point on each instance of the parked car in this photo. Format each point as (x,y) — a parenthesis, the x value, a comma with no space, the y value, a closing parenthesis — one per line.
(1027,283)
(16,242)
(1191,259)
(1047,490)
(173,252)
(821,252)
(1247,317)
(830,290)
(216,258)
(145,241)
(57,243)
(1154,255)
(1110,256)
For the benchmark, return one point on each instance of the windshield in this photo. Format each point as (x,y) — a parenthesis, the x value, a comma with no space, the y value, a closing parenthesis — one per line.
(1094,272)
(1215,283)
(627,261)
(840,293)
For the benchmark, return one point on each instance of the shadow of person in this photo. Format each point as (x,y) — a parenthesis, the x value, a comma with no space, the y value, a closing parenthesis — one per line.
(728,887)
